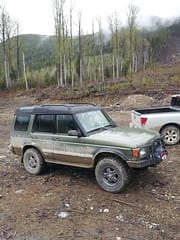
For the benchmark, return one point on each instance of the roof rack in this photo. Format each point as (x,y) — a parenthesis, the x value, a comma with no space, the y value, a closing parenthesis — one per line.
(56,108)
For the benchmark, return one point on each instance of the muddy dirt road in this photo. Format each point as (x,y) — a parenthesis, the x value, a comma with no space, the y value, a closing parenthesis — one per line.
(67,203)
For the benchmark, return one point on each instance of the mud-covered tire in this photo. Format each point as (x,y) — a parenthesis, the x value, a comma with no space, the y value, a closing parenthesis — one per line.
(112,174)
(171,134)
(33,161)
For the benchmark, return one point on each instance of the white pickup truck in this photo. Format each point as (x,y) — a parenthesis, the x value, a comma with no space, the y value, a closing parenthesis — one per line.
(166,120)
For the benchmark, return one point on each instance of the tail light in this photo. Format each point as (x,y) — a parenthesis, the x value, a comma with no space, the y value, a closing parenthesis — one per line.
(143,120)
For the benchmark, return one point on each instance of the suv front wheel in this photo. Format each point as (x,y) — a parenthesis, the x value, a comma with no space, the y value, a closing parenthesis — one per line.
(112,174)
(33,161)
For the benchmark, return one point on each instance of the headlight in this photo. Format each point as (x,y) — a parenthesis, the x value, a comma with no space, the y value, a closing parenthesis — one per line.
(139,153)
(142,153)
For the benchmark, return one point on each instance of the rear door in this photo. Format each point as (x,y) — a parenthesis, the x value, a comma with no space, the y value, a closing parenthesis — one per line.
(43,131)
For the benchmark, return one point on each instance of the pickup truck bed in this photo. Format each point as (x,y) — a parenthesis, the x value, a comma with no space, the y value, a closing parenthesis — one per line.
(157,110)
(165,120)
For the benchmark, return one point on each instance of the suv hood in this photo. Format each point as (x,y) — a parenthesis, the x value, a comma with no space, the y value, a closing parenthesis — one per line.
(124,137)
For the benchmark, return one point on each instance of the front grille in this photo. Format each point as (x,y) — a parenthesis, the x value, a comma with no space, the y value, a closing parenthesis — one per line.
(158,149)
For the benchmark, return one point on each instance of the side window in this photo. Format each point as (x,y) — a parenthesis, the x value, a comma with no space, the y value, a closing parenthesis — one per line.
(44,123)
(21,123)
(65,123)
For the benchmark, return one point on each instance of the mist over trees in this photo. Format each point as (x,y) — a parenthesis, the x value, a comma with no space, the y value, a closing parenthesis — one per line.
(72,60)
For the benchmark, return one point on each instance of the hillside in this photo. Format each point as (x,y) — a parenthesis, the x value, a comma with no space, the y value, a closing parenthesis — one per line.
(38,50)
(93,60)
(171,54)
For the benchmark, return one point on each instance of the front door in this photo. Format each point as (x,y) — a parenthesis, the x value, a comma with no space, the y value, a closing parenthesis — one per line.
(68,150)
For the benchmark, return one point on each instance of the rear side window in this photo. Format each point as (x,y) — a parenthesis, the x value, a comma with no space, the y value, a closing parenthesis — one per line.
(21,123)
(44,123)
(175,101)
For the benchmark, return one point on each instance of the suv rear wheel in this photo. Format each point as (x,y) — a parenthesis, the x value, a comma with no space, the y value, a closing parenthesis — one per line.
(112,175)
(33,161)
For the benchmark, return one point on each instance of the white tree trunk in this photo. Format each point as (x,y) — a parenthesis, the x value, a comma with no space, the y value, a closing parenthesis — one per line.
(24,69)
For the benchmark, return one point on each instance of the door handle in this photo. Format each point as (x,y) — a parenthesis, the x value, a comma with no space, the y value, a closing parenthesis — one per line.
(56,139)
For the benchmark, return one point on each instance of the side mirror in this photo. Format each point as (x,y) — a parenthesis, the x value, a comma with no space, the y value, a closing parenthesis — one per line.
(74,133)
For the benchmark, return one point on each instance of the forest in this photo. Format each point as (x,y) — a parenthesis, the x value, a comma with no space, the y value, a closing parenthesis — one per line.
(103,59)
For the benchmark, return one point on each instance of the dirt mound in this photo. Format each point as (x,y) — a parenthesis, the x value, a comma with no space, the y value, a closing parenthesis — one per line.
(166,101)
(137,101)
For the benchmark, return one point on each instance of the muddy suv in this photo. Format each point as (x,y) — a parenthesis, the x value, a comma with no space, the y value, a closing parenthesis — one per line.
(83,136)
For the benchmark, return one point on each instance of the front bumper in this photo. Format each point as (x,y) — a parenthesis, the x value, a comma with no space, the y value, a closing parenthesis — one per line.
(145,163)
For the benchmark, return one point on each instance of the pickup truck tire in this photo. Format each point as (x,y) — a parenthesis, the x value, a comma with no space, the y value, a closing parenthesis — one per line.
(112,174)
(33,161)
(172,134)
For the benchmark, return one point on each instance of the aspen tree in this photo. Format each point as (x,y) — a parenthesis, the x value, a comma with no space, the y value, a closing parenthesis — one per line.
(132,22)
(3,28)
(80,47)
(58,8)
(114,24)
(101,46)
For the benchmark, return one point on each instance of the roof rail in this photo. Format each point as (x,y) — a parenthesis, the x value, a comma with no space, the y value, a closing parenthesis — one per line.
(55,105)
(83,103)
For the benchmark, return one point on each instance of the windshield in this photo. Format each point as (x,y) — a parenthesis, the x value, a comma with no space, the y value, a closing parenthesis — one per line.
(94,120)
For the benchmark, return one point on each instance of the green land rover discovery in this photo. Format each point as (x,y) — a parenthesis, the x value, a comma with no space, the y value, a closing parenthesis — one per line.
(84,136)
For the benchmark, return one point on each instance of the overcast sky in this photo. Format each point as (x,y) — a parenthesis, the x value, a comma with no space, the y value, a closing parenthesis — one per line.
(36,16)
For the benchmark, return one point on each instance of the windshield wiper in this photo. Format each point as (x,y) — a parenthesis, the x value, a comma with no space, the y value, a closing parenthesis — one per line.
(109,126)
(103,128)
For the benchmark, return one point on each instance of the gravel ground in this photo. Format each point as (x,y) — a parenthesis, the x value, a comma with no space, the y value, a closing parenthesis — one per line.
(67,203)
